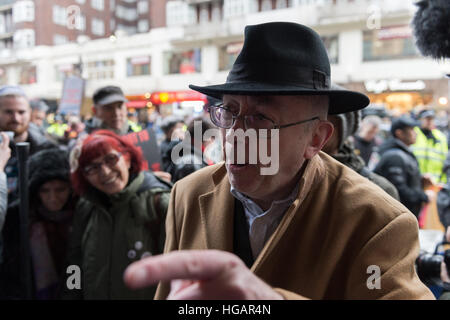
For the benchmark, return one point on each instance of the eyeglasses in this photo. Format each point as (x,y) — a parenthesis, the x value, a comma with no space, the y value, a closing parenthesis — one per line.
(110,160)
(224,118)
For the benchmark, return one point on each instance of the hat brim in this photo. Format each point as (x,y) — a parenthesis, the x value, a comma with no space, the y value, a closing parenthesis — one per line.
(341,101)
(111,99)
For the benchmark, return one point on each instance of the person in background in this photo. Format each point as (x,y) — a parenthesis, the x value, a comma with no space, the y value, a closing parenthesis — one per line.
(195,159)
(15,115)
(58,127)
(38,113)
(430,147)
(5,153)
(110,112)
(172,126)
(119,219)
(365,140)
(399,165)
(341,149)
(52,206)
(133,120)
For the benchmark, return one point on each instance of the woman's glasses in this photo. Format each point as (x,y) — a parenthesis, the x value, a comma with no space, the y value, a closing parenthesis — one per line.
(110,160)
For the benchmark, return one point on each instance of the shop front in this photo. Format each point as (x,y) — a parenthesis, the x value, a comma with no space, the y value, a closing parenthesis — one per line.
(401,96)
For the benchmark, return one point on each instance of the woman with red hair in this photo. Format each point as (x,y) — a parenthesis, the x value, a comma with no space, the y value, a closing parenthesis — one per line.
(119,218)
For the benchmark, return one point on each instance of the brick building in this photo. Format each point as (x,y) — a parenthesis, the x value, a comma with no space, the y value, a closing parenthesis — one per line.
(26,23)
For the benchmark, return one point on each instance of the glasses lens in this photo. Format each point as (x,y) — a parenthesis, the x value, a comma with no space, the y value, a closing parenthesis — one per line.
(91,169)
(222,117)
(111,159)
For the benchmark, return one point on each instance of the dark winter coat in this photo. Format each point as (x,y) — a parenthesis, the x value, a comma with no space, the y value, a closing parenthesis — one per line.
(348,157)
(37,143)
(111,232)
(399,165)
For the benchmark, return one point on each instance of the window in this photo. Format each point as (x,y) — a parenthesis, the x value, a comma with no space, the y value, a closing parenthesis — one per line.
(143,26)
(23,11)
(81,1)
(81,22)
(63,71)
(228,55)
(125,13)
(233,8)
(112,5)
(138,66)
(3,76)
(24,38)
(182,62)
(281,4)
(216,13)
(59,15)
(332,45)
(388,43)
(103,69)
(142,7)
(27,75)
(98,4)
(98,27)
(179,13)
(204,14)
(266,5)
(59,39)
(253,6)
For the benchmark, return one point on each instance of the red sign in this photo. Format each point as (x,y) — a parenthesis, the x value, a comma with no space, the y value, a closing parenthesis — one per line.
(162,97)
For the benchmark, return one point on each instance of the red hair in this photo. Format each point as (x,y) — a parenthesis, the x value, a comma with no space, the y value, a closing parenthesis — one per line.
(98,144)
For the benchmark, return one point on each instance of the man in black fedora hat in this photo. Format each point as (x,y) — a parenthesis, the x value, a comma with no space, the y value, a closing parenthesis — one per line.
(310,228)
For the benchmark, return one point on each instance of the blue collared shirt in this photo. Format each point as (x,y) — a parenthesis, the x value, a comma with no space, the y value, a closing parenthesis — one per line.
(261,223)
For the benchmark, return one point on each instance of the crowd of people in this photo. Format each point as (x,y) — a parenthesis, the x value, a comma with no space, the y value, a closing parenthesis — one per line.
(348,193)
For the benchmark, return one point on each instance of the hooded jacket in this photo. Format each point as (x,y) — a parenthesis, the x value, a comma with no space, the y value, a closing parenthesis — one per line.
(111,232)
(348,157)
(43,166)
(399,165)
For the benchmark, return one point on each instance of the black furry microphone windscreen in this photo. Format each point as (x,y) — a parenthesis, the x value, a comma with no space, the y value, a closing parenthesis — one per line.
(431,27)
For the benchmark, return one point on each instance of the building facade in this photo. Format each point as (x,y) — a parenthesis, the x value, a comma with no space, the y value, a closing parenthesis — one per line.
(369,42)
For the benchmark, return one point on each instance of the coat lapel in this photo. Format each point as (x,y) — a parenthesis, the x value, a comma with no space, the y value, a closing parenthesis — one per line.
(217,213)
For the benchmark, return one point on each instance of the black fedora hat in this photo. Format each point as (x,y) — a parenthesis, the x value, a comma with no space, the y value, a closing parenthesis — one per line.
(284,58)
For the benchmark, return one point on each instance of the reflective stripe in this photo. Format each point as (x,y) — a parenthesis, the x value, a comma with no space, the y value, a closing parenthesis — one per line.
(428,158)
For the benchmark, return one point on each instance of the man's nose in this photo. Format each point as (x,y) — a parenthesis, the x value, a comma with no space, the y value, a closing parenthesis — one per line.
(16,117)
(118,111)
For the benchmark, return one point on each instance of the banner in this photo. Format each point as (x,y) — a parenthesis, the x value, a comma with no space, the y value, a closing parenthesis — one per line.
(72,96)
(146,141)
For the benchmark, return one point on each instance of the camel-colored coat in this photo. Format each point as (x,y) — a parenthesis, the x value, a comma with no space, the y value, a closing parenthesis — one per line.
(339,225)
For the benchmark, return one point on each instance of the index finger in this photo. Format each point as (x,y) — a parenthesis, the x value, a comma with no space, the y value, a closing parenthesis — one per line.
(187,264)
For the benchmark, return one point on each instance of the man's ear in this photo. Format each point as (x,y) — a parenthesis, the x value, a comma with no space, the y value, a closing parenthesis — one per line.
(94,110)
(322,133)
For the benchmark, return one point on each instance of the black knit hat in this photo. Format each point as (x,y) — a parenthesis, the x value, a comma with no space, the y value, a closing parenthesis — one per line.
(284,58)
(46,165)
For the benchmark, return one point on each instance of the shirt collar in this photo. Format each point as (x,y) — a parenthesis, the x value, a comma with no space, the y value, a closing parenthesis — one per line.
(255,210)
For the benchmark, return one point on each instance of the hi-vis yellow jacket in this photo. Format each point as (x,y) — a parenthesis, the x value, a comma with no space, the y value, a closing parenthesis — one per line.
(431,153)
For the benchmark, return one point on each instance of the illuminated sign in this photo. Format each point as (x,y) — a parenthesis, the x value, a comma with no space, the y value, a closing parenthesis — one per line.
(393,85)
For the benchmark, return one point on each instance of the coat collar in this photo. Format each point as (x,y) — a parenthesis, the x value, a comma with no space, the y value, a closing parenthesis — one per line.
(217,207)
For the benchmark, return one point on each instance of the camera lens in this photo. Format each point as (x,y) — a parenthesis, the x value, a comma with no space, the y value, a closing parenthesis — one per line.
(429,268)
